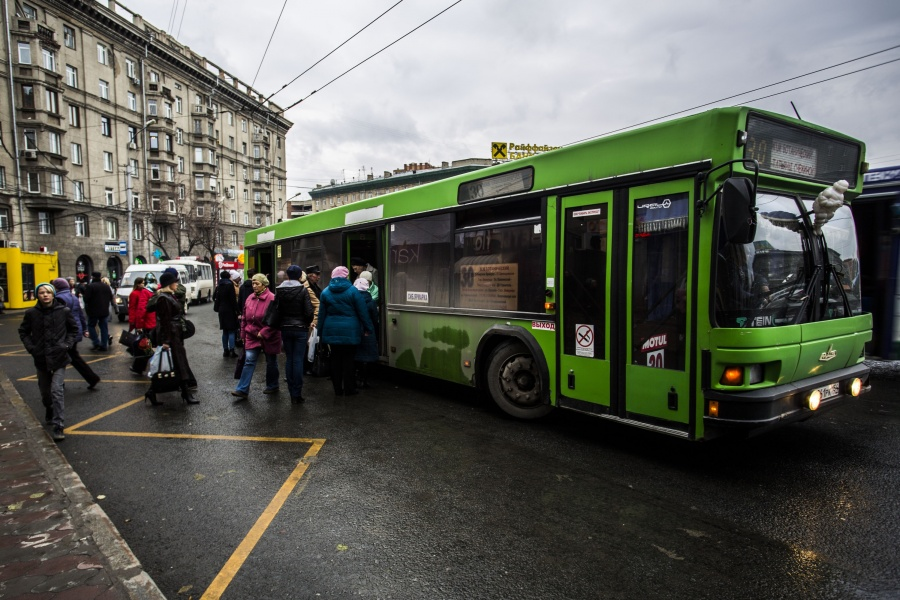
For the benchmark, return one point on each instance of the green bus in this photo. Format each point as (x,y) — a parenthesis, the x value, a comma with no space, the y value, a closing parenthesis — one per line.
(682,277)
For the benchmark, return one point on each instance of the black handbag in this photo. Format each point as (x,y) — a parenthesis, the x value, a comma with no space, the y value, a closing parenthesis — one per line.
(321,364)
(128,338)
(187,329)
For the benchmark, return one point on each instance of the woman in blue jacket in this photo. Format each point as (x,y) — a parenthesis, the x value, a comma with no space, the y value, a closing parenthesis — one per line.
(343,321)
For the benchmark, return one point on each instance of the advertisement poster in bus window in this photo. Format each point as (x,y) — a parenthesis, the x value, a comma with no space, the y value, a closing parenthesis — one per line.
(488,286)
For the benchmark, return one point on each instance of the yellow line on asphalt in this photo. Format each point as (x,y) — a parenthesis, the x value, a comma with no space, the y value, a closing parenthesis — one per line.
(236,561)
(100,416)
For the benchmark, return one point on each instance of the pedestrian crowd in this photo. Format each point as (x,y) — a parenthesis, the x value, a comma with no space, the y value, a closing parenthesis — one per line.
(311,326)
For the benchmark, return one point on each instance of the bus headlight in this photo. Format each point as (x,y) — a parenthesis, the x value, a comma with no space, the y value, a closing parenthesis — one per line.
(855,387)
(814,399)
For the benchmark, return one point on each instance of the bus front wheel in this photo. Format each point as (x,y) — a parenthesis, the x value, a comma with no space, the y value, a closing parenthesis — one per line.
(515,382)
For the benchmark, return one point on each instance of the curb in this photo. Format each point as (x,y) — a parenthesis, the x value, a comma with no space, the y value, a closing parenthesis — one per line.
(87,515)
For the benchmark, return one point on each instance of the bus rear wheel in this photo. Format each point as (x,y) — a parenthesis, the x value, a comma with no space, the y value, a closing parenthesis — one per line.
(515,382)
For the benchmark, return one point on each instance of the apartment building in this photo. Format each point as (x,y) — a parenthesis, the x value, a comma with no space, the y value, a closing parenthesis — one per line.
(324,197)
(120,145)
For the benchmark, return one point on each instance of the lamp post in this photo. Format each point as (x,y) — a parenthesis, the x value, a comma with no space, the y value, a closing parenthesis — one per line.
(128,198)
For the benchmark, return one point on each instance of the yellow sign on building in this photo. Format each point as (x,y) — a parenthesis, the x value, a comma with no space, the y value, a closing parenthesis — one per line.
(498,150)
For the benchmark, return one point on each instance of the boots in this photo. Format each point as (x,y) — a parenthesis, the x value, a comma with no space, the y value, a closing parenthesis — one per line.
(151,397)
(187,396)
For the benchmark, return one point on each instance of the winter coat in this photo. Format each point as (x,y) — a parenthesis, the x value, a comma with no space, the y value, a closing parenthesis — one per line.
(48,332)
(293,306)
(169,330)
(138,317)
(98,298)
(315,293)
(68,299)
(253,331)
(342,314)
(368,345)
(226,304)
(245,291)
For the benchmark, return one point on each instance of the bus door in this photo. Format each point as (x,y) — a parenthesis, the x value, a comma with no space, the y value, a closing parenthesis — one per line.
(656,328)
(585,259)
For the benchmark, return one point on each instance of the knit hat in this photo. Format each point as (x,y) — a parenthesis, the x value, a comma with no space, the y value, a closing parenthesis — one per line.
(171,270)
(340,272)
(366,275)
(167,279)
(49,286)
(236,275)
(294,272)
(261,279)
(96,275)
(60,284)
(361,284)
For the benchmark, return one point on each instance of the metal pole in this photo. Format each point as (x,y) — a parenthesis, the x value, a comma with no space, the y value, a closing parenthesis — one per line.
(130,209)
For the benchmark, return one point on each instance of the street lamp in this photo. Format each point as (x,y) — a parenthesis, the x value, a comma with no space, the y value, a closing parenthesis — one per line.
(128,199)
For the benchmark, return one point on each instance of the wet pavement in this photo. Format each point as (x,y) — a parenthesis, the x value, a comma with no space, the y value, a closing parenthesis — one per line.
(55,541)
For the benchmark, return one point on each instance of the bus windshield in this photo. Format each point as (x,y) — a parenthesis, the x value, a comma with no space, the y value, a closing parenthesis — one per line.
(787,275)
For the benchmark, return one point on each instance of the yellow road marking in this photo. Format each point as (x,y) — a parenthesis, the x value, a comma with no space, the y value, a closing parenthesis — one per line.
(234,563)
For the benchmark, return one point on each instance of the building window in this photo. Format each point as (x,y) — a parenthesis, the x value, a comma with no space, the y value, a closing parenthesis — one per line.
(154,76)
(244,148)
(132,101)
(151,107)
(246,218)
(74,116)
(105,127)
(34,182)
(49,59)
(4,219)
(68,36)
(80,226)
(168,141)
(199,211)
(138,230)
(108,195)
(51,98)
(257,197)
(255,174)
(76,154)
(133,167)
(179,105)
(167,110)
(170,173)
(179,137)
(256,153)
(24,53)
(154,140)
(55,142)
(172,208)
(231,142)
(181,164)
(154,171)
(130,68)
(71,76)
(258,220)
(56,184)
(112,229)
(244,126)
(181,192)
(29,11)
(234,216)
(104,89)
(27,95)
(78,191)
(198,182)
(2,178)
(102,54)
(45,223)
(246,198)
(135,201)
(162,233)
(154,203)
(107,161)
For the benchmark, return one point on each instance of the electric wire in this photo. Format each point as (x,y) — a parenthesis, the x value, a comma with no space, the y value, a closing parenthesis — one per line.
(266,51)
(365,60)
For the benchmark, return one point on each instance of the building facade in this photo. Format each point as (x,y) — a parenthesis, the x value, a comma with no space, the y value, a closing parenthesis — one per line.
(121,145)
(337,194)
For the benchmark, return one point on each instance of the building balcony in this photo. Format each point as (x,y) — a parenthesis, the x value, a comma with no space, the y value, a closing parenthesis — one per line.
(46,202)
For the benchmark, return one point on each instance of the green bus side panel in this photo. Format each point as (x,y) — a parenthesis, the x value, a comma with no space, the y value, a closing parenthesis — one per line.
(438,345)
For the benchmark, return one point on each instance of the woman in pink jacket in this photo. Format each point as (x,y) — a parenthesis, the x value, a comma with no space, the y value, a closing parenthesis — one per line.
(258,338)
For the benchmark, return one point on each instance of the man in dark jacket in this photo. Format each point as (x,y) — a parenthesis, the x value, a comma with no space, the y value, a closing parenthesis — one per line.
(225,303)
(98,297)
(246,290)
(48,331)
(292,314)
(66,297)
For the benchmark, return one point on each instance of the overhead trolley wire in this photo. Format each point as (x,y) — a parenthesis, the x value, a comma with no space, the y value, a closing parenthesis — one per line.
(705,104)
(410,32)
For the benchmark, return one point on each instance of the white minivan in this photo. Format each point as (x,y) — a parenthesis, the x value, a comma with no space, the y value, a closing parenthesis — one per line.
(150,273)
(200,281)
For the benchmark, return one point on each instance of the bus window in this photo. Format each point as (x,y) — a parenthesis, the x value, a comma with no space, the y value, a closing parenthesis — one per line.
(421,254)
(659,281)
(584,276)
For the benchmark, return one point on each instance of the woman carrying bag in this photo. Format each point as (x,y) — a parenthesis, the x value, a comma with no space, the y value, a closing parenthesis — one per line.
(258,338)
(170,337)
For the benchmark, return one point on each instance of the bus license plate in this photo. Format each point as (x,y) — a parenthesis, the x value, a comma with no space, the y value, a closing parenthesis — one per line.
(830,391)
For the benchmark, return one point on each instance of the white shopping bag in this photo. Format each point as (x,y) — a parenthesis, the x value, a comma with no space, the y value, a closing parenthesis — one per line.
(312,340)
(159,362)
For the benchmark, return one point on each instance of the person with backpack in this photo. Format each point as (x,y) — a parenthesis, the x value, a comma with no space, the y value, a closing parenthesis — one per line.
(65,296)
(291,313)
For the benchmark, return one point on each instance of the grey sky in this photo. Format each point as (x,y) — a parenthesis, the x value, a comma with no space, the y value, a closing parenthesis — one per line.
(535,71)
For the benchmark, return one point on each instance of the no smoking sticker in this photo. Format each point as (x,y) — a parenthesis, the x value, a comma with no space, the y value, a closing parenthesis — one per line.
(584,340)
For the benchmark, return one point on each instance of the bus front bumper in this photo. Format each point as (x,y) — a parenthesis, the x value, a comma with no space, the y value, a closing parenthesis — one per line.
(763,409)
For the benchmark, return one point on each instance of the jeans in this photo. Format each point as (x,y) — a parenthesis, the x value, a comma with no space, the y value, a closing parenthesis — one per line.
(103,340)
(228,336)
(53,389)
(251,355)
(294,342)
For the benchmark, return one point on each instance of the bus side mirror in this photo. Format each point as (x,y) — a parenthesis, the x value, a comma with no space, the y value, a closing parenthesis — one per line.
(738,210)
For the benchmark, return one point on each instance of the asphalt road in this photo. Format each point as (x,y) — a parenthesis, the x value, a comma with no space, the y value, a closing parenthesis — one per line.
(417,489)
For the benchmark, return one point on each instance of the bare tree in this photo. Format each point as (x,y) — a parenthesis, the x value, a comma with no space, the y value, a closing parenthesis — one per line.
(184,220)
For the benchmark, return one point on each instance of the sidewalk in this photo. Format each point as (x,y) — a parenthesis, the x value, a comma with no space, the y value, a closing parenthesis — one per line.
(55,541)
